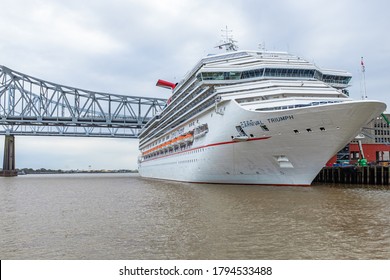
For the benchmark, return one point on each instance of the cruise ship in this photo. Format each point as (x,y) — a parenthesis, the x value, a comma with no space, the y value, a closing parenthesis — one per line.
(252,117)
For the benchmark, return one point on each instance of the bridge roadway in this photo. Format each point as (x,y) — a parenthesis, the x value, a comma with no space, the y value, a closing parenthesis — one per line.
(31,106)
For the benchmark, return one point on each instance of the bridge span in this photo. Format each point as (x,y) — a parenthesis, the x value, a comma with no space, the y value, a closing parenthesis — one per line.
(34,107)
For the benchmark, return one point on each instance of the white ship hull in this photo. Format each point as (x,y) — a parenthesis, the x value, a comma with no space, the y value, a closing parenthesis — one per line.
(291,150)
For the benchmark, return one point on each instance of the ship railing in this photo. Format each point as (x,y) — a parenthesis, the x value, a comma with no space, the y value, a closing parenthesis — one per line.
(300,105)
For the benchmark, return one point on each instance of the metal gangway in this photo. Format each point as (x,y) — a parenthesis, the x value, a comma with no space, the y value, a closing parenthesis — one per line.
(31,106)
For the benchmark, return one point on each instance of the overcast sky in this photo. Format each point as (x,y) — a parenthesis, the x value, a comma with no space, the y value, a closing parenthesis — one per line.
(124,46)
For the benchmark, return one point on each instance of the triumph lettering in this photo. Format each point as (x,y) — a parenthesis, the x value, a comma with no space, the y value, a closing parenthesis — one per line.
(280,119)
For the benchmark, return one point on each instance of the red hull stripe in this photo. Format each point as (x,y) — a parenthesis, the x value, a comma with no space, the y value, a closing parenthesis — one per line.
(211,145)
(233,142)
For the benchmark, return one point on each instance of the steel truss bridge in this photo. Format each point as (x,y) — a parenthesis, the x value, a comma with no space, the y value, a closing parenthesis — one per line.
(31,106)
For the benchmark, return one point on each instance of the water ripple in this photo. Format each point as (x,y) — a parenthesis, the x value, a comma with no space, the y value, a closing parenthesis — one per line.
(122,216)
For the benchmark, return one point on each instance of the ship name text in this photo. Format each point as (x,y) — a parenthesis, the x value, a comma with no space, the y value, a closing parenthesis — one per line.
(280,119)
(250,123)
(269,120)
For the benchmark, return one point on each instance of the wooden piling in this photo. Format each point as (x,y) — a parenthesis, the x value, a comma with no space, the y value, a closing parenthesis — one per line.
(366,175)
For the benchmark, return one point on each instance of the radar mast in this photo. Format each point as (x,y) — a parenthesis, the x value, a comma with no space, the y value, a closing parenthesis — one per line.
(227,41)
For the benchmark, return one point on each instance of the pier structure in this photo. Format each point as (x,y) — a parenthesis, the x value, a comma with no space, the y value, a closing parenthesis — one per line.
(33,107)
(9,157)
(363,175)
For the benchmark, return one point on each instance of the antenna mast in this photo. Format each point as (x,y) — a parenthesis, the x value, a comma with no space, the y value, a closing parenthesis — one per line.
(228,43)
(364,89)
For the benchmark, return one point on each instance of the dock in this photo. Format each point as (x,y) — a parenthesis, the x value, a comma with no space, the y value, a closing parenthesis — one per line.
(367,175)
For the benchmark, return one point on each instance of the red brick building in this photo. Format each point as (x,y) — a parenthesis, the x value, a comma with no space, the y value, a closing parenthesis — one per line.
(376,145)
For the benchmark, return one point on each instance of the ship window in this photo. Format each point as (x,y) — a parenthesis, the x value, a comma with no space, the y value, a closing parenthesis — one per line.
(272,72)
(296,131)
(213,75)
(252,73)
(264,127)
(232,75)
(334,79)
(221,75)
(283,72)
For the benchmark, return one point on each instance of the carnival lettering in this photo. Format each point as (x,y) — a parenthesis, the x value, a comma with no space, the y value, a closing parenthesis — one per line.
(250,123)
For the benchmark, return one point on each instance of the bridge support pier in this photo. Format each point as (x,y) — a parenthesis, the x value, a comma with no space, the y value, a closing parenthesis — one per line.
(9,157)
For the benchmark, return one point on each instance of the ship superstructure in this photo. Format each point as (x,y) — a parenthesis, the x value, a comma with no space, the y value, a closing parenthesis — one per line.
(252,117)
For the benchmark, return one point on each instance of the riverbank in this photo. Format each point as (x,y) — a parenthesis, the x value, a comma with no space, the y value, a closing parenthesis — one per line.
(25,171)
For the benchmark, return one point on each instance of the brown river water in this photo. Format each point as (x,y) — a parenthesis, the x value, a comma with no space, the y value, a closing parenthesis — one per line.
(123,216)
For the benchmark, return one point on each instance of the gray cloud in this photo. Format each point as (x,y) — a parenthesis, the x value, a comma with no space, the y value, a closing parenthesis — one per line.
(124,46)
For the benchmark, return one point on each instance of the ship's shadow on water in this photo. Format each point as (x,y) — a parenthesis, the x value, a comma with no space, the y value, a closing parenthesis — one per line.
(123,216)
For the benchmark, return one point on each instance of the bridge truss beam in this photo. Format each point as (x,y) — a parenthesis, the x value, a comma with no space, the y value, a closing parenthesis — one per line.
(31,106)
